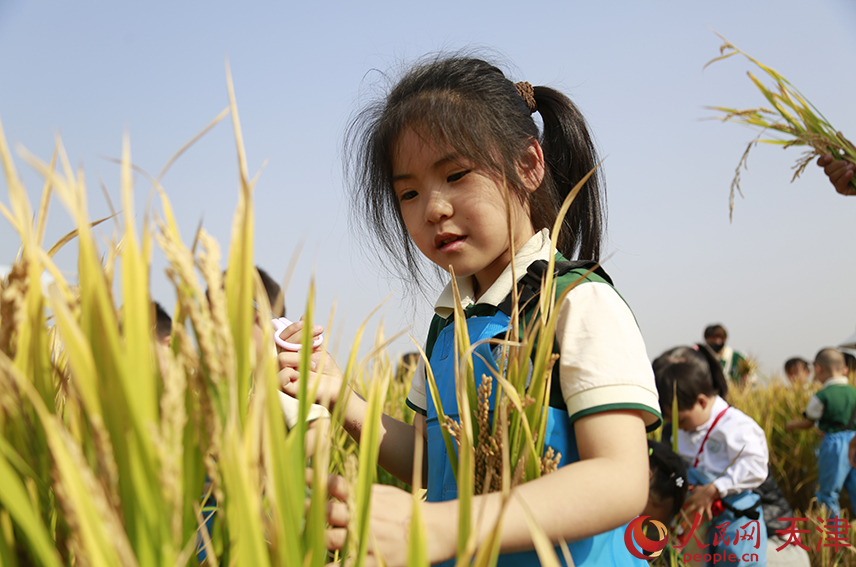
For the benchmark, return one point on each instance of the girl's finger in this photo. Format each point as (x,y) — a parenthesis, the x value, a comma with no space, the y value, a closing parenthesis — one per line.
(337,487)
(337,513)
(289,359)
(294,330)
(288,380)
(335,538)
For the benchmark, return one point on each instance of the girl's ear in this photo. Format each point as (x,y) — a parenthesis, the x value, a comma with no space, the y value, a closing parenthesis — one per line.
(530,167)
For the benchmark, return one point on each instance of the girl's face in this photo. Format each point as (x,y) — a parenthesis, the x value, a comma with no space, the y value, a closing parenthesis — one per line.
(455,212)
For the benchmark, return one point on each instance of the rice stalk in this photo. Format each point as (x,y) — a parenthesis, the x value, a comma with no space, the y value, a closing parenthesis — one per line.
(106,441)
(792,121)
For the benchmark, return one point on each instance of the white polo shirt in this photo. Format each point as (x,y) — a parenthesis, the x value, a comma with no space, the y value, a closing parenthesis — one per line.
(603,362)
(735,434)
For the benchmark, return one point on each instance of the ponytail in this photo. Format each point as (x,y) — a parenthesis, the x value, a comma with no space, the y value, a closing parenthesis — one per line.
(570,154)
(720,384)
(688,372)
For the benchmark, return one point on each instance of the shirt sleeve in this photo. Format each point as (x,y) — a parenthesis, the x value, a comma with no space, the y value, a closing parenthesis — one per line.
(814,409)
(747,452)
(417,398)
(603,362)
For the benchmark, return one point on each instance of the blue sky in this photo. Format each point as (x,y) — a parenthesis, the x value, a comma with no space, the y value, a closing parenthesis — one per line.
(780,277)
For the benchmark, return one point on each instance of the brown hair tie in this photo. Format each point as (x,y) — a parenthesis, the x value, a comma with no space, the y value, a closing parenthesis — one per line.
(526,91)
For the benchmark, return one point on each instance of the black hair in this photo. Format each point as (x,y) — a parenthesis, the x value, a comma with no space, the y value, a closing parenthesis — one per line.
(715,330)
(406,366)
(796,362)
(470,106)
(272,289)
(163,322)
(689,371)
(668,475)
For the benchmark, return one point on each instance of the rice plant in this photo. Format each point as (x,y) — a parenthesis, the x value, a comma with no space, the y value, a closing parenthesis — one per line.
(792,121)
(118,451)
(107,438)
(793,462)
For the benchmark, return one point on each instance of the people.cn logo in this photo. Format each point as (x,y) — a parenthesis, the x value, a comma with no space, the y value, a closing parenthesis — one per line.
(636,533)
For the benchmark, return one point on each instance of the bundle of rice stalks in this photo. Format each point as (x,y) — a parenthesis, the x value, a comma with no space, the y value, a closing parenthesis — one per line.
(793,121)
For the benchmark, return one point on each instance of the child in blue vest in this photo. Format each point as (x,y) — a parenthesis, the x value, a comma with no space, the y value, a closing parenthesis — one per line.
(430,164)
(833,409)
(725,450)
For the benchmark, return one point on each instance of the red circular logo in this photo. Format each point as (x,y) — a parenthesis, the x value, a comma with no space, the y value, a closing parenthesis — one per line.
(635,532)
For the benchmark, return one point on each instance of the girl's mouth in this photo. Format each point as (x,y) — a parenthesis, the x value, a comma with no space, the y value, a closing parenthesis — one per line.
(446,242)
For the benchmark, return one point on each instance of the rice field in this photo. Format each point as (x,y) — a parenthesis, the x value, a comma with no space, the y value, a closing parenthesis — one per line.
(111,443)
(794,465)
(117,450)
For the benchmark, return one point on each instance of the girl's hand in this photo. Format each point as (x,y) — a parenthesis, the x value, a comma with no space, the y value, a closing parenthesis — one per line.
(389,524)
(701,499)
(294,334)
(324,376)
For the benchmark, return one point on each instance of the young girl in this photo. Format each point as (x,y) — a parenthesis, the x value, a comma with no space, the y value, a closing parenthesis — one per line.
(430,164)
(725,449)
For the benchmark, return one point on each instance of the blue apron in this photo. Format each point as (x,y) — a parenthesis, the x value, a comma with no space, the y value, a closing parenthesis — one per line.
(607,549)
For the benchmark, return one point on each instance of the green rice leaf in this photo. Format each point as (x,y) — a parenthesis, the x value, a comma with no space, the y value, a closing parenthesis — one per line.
(369,450)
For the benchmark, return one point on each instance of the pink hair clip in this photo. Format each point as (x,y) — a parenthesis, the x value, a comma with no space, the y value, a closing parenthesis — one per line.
(279,325)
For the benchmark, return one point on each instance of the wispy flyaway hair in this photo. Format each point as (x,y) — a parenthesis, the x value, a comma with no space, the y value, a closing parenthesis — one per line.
(469,106)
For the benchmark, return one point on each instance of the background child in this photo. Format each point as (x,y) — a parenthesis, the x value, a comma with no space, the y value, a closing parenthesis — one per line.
(797,371)
(725,449)
(833,408)
(733,363)
(430,165)
(669,484)
(163,324)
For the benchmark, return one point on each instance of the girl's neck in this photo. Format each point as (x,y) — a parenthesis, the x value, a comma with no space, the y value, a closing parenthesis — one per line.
(476,290)
(483,280)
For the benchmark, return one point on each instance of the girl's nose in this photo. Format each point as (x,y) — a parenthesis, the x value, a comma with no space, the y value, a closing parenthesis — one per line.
(439,207)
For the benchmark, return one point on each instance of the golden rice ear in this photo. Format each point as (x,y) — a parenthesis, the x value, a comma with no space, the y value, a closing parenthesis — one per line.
(793,121)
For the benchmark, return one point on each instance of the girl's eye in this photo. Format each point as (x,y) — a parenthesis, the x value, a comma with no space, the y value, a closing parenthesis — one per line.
(457,176)
(407,195)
